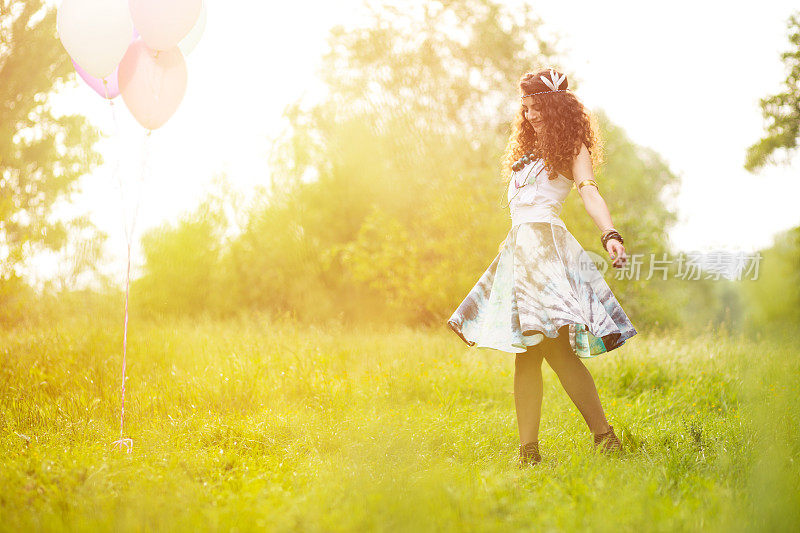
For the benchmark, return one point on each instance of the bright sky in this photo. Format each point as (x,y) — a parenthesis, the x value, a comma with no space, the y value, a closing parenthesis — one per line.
(681,77)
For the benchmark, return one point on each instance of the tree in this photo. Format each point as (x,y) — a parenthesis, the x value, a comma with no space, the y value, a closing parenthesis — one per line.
(41,155)
(775,296)
(182,271)
(404,141)
(781,111)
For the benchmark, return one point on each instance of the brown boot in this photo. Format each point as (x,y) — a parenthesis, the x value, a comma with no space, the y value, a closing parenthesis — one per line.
(529,454)
(608,441)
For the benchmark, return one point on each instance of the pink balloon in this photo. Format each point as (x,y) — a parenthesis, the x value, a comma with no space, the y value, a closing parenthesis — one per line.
(112,88)
(163,24)
(152,83)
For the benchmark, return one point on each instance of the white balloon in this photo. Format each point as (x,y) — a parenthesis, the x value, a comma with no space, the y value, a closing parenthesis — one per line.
(190,41)
(95,33)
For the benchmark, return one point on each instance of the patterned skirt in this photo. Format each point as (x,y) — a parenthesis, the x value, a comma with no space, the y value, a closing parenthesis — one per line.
(541,280)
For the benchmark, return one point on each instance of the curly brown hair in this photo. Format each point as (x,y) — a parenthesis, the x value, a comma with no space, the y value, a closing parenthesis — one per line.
(566,125)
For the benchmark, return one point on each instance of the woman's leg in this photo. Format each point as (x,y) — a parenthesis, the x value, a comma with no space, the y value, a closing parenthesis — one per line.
(576,380)
(528,393)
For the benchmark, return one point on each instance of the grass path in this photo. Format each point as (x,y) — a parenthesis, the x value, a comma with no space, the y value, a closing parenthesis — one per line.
(249,425)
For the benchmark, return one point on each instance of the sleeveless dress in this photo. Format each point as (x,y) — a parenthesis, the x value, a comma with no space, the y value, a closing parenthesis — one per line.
(541,280)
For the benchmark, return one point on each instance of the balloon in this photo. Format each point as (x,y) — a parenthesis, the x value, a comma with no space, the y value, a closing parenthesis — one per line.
(95,33)
(188,43)
(112,88)
(152,83)
(163,23)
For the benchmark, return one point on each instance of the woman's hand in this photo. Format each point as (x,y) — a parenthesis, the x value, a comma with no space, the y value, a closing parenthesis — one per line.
(616,251)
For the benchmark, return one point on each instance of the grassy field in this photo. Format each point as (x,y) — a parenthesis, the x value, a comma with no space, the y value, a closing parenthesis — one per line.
(249,425)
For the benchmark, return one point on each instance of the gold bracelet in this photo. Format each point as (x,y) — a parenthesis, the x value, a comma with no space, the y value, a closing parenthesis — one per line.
(588,182)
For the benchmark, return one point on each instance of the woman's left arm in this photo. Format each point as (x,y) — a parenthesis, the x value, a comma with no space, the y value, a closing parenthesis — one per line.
(595,205)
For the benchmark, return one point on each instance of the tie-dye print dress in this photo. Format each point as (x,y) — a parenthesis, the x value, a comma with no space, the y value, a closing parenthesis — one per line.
(541,280)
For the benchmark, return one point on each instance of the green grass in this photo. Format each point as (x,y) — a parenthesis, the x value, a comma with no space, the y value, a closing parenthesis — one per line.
(249,425)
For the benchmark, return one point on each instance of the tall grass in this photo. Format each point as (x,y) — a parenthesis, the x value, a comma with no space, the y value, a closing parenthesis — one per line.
(254,424)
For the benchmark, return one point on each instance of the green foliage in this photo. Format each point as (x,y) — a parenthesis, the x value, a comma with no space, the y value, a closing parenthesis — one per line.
(15,298)
(781,111)
(255,425)
(275,268)
(41,155)
(180,266)
(775,296)
(182,261)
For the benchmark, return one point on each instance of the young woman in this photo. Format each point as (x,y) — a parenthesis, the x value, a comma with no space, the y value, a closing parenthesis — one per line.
(542,297)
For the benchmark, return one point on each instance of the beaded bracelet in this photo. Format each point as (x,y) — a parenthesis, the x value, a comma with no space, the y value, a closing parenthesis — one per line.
(610,234)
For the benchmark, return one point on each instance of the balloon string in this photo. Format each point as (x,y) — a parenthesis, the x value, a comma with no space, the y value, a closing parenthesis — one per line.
(141,182)
(117,165)
(127,442)
(129,235)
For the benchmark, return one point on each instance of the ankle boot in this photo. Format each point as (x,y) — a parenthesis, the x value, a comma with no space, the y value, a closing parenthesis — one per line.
(608,441)
(529,454)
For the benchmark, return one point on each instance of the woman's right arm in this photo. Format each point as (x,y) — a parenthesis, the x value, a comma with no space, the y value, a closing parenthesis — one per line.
(595,205)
